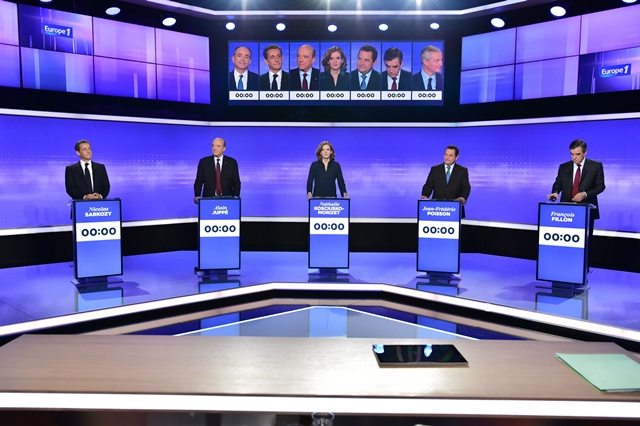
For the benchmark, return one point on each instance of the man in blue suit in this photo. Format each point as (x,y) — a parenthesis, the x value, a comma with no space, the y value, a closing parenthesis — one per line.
(218,173)
(448,180)
(365,77)
(241,78)
(429,78)
(86,179)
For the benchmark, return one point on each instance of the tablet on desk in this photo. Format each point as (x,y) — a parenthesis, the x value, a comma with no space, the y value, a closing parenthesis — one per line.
(418,355)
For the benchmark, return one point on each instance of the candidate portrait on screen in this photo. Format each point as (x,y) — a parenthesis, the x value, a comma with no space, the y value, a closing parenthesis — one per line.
(394,77)
(335,75)
(365,77)
(305,77)
(275,78)
(241,78)
(429,78)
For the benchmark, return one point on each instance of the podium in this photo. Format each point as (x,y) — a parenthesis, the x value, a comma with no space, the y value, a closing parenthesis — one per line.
(218,235)
(329,234)
(563,243)
(97,245)
(439,237)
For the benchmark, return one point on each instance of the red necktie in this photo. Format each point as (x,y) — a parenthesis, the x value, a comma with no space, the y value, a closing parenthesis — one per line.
(305,85)
(394,86)
(576,183)
(218,181)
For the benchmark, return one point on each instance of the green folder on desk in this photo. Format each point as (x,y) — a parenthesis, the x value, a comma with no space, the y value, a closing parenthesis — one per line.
(606,372)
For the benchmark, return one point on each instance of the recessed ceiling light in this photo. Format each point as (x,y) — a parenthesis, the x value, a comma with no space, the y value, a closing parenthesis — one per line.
(558,11)
(332,28)
(112,11)
(497,22)
(169,21)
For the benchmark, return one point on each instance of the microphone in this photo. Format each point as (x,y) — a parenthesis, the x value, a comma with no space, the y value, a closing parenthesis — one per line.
(553,198)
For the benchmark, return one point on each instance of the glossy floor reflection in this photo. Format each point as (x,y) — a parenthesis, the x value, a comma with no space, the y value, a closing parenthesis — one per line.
(37,292)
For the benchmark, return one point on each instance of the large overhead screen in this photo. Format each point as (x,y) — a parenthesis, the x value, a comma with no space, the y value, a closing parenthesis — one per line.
(594,53)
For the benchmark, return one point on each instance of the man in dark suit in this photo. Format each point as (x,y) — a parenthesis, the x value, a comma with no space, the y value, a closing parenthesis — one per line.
(429,78)
(454,187)
(218,173)
(590,180)
(367,58)
(241,78)
(86,179)
(275,78)
(395,78)
(305,71)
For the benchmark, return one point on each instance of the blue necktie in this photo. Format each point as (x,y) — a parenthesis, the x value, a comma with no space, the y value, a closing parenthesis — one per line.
(363,85)
(429,86)
(448,175)
(240,83)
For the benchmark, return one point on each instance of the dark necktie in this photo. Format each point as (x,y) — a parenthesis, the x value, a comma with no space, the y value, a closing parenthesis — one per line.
(363,85)
(305,85)
(218,181)
(429,86)
(240,83)
(576,183)
(87,178)
(274,83)
(394,86)
(448,175)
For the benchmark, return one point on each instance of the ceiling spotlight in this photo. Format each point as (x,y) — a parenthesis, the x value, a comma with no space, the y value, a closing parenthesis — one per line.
(434,26)
(497,22)
(383,27)
(46,1)
(280,26)
(230,26)
(332,28)
(112,11)
(629,1)
(169,21)
(558,11)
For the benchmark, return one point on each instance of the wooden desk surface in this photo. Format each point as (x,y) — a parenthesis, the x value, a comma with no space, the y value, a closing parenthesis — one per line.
(292,367)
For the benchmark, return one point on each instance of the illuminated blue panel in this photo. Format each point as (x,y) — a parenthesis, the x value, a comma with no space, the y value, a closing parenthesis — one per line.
(610,30)
(562,242)
(609,71)
(96,236)
(329,232)
(9,66)
(544,79)
(489,49)
(8,23)
(487,85)
(507,183)
(219,233)
(120,40)
(55,30)
(44,69)
(438,236)
(548,40)
(125,78)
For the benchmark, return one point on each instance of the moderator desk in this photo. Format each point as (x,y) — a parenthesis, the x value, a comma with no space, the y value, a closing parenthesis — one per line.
(95,375)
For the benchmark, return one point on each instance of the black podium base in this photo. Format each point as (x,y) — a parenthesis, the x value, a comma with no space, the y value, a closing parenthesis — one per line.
(440,277)
(95,283)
